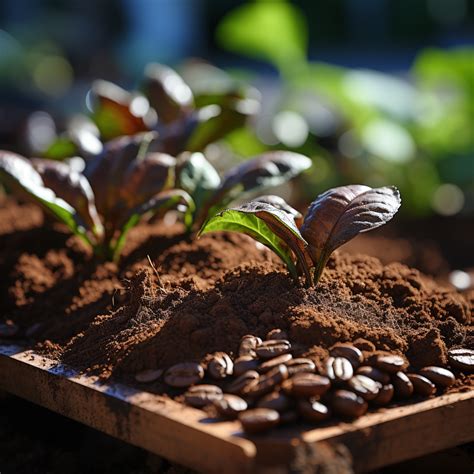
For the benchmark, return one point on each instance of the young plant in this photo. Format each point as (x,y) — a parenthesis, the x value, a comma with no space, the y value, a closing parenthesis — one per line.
(103,202)
(334,218)
(211,193)
(167,105)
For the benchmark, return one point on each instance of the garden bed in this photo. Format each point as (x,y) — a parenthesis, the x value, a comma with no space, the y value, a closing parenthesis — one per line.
(192,298)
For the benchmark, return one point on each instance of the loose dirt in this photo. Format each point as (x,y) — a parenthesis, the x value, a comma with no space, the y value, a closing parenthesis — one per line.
(202,296)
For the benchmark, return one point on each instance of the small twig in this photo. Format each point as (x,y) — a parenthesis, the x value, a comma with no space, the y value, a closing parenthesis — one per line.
(160,283)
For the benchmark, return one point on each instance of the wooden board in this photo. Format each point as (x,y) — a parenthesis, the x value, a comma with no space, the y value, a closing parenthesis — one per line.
(184,435)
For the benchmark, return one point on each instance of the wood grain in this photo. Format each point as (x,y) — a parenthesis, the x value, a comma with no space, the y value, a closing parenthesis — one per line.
(184,435)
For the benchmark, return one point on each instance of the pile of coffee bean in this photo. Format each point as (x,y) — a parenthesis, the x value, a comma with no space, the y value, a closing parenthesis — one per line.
(265,386)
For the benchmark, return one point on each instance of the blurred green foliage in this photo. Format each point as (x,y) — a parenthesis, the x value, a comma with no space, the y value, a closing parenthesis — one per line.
(416,132)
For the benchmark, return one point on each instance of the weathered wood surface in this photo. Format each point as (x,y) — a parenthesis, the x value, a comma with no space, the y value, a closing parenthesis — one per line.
(184,435)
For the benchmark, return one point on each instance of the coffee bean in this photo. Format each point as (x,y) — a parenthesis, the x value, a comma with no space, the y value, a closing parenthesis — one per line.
(248,345)
(149,375)
(273,348)
(241,382)
(296,366)
(276,401)
(266,383)
(338,369)
(313,410)
(307,385)
(184,374)
(276,361)
(245,363)
(220,365)
(374,374)
(402,385)
(390,363)
(385,395)
(349,404)
(438,375)
(421,385)
(462,359)
(258,420)
(202,395)
(229,406)
(276,334)
(364,386)
(350,352)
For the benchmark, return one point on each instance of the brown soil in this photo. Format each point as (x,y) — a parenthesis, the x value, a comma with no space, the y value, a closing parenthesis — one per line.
(52,288)
(205,295)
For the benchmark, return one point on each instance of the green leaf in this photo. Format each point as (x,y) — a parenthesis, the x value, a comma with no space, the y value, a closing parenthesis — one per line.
(61,148)
(271,30)
(199,178)
(172,198)
(264,171)
(21,177)
(214,122)
(74,188)
(245,221)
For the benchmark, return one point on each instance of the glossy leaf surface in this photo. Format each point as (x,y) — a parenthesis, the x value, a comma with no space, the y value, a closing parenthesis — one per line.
(340,214)
(21,177)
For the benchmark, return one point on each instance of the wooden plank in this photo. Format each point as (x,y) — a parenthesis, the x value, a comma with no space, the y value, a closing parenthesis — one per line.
(183,435)
(388,436)
(152,422)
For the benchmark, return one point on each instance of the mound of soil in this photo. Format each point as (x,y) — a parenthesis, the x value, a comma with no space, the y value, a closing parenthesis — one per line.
(390,308)
(202,296)
(52,288)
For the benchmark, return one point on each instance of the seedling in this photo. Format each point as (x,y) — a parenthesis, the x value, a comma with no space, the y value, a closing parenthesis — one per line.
(334,218)
(103,202)
(167,105)
(211,193)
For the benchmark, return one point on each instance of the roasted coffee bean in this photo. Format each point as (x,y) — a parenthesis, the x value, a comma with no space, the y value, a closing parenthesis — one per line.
(402,385)
(374,374)
(288,416)
(421,385)
(438,375)
(349,404)
(276,401)
(462,359)
(248,345)
(276,334)
(364,386)
(258,420)
(307,385)
(241,382)
(296,366)
(350,352)
(149,375)
(201,395)
(275,362)
(245,363)
(338,369)
(266,383)
(273,348)
(385,395)
(230,406)
(390,363)
(220,365)
(313,410)
(184,374)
